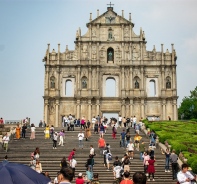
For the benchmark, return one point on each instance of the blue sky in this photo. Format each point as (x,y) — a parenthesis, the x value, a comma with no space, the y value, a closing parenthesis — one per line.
(27,26)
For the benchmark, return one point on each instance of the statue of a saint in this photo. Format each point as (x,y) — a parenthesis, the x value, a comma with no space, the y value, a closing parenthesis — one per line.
(110,56)
(110,35)
(84,84)
(52,82)
(137,85)
(168,84)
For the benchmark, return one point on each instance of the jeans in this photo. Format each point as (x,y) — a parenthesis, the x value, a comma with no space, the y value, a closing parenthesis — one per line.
(122,143)
(174,170)
(167,163)
(141,154)
(127,142)
(80,143)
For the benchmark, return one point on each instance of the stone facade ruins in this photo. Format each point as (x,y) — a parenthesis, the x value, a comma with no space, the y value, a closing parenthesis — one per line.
(110,50)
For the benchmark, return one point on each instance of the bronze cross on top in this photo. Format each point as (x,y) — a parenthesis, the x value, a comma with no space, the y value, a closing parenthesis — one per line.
(110,4)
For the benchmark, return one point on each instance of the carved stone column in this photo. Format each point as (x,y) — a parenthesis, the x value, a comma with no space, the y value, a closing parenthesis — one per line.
(123,108)
(175,110)
(90,80)
(89,109)
(142,78)
(164,109)
(78,79)
(78,109)
(174,77)
(131,78)
(162,78)
(142,108)
(98,107)
(131,107)
(46,113)
(46,92)
(57,113)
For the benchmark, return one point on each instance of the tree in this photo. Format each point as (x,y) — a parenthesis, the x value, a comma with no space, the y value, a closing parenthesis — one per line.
(188,107)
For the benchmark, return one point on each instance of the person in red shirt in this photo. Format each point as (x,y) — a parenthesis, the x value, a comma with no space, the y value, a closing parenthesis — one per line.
(1,121)
(80,179)
(126,179)
(101,145)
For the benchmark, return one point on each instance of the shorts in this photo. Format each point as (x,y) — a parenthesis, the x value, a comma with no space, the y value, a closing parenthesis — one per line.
(101,132)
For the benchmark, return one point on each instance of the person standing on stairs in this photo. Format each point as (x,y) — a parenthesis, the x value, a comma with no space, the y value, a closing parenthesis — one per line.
(55,137)
(173,161)
(151,168)
(167,165)
(61,135)
(80,138)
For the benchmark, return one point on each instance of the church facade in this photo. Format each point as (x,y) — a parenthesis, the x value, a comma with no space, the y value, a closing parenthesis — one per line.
(76,80)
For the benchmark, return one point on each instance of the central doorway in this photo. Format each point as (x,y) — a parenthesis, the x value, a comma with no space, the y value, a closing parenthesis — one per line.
(109,115)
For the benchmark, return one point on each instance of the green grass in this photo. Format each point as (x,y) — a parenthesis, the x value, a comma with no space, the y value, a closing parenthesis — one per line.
(182,136)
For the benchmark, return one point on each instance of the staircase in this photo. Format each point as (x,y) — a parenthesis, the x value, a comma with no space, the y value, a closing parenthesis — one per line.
(20,150)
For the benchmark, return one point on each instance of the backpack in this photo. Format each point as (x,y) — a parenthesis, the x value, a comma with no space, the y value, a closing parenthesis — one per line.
(109,156)
(121,172)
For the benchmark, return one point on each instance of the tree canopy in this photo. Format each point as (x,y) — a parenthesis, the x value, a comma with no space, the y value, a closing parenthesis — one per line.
(188,107)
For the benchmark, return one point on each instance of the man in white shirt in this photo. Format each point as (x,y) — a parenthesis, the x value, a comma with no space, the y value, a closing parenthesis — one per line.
(120,120)
(80,138)
(5,141)
(73,164)
(184,176)
(117,174)
(134,121)
(130,147)
(91,150)
(93,122)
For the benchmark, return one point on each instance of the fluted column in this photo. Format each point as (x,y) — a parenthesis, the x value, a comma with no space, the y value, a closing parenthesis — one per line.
(123,108)
(131,78)
(97,107)
(142,78)
(89,109)
(142,108)
(57,113)
(164,109)
(78,109)
(175,110)
(131,107)
(46,105)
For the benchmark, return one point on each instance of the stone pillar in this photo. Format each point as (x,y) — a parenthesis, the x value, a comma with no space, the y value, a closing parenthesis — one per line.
(89,109)
(97,79)
(131,107)
(162,78)
(57,113)
(90,52)
(46,113)
(90,80)
(46,92)
(175,110)
(122,32)
(123,79)
(123,108)
(142,108)
(142,78)
(97,54)
(97,107)
(131,78)
(78,78)
(78,109)
(164,109)
(79,52)
(174,77)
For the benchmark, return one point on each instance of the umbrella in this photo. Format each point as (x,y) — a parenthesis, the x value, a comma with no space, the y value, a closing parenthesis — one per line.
(14,173)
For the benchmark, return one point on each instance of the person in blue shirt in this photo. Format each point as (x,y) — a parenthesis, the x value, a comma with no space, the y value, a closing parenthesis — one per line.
(122,136)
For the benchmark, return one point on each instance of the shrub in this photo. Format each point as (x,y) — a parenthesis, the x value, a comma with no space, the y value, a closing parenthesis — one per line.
(194,166)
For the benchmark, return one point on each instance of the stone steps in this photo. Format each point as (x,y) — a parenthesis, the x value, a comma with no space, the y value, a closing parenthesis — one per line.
(20,150)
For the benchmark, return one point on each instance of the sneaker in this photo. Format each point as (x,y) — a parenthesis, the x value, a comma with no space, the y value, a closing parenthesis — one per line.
(169,171)
(148,179)
(53,147)
(146,174)
(107,169)
(153,179)
(166,171)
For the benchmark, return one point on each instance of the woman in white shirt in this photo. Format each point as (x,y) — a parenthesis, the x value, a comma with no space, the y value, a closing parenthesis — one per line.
(32,131)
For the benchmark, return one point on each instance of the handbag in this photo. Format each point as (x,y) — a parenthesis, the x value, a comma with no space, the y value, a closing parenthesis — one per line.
(146,163)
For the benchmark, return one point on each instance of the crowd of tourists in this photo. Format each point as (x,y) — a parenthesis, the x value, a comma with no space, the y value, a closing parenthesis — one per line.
(119,167)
